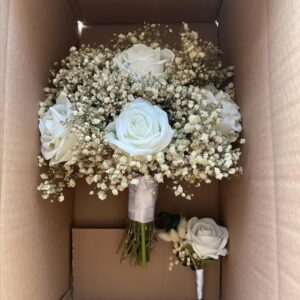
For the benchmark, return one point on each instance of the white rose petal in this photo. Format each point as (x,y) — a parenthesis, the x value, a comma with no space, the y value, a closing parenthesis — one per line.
(141,59)
(57,141)
(231,116)
(207,238)
(140,129)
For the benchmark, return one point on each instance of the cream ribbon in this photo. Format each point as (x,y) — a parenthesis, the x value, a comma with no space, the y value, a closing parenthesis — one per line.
(199,283)
(142,199)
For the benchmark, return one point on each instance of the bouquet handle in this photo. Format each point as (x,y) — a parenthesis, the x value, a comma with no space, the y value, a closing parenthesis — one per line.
(138,239)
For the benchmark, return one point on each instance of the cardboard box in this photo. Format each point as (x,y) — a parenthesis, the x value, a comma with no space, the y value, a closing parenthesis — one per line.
(261,209)
(98,273)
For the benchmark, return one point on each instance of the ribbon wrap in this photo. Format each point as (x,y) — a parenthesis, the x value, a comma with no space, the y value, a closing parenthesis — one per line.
(142,199)
(199,283)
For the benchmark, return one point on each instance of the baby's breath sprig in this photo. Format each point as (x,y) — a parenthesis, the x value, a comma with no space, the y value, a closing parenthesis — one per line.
(98,91)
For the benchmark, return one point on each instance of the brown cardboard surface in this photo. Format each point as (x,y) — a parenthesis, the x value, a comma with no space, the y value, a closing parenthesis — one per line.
(4,9)
(102,33)
(89,211)
(139,11)
(68,295)
(248,205)
(112,212)
(35,237)
(261,208)
(284,67)
(98,273)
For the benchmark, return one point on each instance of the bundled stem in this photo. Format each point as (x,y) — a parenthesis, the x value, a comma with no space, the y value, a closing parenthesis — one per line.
(137,242)
(143,245)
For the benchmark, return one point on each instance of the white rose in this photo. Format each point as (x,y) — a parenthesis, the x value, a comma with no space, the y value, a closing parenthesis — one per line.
(207,238)
(231,116)
(140,129)
(140,60)
(57,141)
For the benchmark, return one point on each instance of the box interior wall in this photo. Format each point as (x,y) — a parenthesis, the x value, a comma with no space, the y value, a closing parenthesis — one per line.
(261,209)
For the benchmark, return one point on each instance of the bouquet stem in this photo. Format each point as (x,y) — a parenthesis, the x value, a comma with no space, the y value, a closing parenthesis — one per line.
(143,245)
(137,243)
(139,236)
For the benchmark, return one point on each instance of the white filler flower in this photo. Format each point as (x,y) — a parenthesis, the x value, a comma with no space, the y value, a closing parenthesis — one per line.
(140,60)
(207,238)
(140,129)
(57,141)
(231,116)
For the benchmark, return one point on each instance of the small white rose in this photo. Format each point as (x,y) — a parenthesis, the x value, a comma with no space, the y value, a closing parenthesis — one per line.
(140,129)
(57,141)
(231,116)
(207,238)
(141,59)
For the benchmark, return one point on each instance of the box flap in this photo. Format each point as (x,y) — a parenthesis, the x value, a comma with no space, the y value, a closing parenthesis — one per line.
(98,273)
(262,208)
(35,234)
(96,34)
(140,11)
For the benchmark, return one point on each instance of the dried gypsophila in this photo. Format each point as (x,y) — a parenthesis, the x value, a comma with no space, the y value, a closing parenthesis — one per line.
(98,91)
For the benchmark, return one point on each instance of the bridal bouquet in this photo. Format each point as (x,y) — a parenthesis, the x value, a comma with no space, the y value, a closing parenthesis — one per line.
(136,113)
(196,243)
